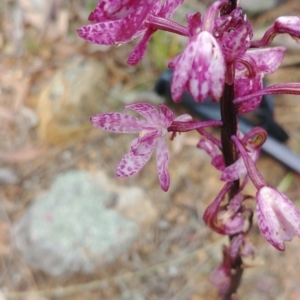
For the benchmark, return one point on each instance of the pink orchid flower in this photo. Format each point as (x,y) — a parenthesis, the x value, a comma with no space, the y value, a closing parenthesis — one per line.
(252,141)
(209,58)
(152,130)
(277,217)
(119,21)
(225,220)
(289,88)
(249,72)
(200,69)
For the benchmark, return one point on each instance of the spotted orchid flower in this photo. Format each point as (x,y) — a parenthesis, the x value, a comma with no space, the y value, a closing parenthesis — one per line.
(277,217)
(249,72)
(247,103)
(208,61)
(152,132)
(200,69)
(119,21)
(225,220)
(252,141)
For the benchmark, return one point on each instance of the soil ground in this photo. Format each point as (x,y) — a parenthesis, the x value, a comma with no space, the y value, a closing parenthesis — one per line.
(174,258)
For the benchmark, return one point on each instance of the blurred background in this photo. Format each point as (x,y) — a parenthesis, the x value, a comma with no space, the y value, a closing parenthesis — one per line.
(68,228)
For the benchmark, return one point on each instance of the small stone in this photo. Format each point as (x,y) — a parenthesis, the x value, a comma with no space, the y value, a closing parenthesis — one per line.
(70,230)
(69,99)
(173,271)
(131,202)
(163,225)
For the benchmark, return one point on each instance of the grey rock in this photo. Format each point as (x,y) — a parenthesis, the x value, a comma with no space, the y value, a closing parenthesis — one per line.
(69,99)
(70,230)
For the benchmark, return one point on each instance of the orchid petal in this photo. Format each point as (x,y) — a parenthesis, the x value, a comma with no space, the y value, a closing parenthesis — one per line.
(243,86)
(236,202)
(118,122)
(162,159)
(200,69)
(107,10)
(107,33)
(148,111)
(290,88)
(165,115)
(131,164)
(290,25)
(145,144)
(169,7)
(194,23)
(235,245)
(220,278)
(182,70)
(267,59)
(234,44)
(267,220)
(234,224)
(234,171)
(207,76)
(278,218)
(266,62)
(289,211)
(124,27)
(140,48)
(212,150)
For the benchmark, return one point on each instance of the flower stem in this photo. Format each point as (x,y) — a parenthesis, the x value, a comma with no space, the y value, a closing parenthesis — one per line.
(229,128)
(233,4)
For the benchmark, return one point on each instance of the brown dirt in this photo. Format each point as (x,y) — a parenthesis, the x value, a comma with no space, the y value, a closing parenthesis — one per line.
(171,261)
